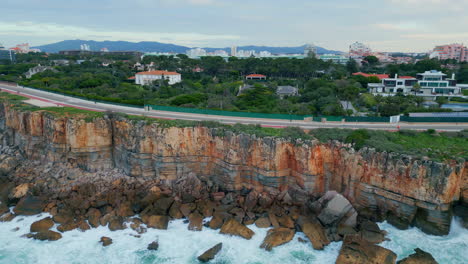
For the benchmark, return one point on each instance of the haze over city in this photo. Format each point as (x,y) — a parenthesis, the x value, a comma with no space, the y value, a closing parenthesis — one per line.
(386,25)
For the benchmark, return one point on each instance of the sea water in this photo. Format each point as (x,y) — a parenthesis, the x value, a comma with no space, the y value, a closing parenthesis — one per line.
(179,245)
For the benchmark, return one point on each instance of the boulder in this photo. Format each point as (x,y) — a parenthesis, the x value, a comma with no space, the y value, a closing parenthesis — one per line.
(153,245)
(210,253)
(64,217)
(314,232)
(93,217)
(29,205)
(335,208)
(42,225)
(285,221)
(187,209)
(19,191)
(7,217)
(195,222)
(83,226)
(47,235)
(420,257)
(233,227)
(106,241)
(356,250)
(175,212)
(161,206)
(156,221)
(67,227)
(263,222)
(217,221)
(125,210)
(273,219)
(3,208)
(277,237)
(116,223)
(136,225)
(371,232)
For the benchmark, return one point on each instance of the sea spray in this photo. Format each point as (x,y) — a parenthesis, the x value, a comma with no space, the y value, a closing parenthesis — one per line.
(179,245)
(450,249)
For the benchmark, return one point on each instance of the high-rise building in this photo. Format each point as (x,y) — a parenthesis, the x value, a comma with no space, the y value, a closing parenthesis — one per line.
(85,47)
(196,52)
(233,51)
(456,52)
(309,50)
(359,50)
(7,55)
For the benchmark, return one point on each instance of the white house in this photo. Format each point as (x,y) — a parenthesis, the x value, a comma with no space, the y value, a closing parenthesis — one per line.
(432,84)
(144,78)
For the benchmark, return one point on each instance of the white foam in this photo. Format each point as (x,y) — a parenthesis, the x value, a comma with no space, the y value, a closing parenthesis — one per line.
(450,249)
(176,245)
(179,245)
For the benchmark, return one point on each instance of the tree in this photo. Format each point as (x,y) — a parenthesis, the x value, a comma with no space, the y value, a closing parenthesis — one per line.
(351,66)
(372,60)
(416,88)
(441,100)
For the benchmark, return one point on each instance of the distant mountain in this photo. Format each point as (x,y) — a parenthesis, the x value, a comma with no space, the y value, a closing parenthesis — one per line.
(149,46)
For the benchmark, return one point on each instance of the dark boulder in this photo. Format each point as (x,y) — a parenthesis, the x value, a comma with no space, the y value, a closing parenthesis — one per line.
(153,245)
(420,257)
(47,235)
(210,253)
(277,237)
(106,241)
(29,205)
(42,225)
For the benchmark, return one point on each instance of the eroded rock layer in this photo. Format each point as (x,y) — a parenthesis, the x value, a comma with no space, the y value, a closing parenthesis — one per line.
(404,190)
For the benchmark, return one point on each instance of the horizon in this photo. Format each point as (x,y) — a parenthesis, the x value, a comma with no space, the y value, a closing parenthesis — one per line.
(333,25)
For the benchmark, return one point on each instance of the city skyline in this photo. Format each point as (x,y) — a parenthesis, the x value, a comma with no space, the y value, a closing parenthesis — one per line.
(219,23)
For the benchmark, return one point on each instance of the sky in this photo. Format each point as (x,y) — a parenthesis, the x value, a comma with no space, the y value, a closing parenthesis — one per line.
(385,25)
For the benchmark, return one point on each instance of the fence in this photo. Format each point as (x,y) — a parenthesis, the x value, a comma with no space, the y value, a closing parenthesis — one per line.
(226,113)
(367,119)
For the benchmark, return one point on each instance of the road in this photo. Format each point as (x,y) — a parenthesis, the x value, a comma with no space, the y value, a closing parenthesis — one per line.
(103,107)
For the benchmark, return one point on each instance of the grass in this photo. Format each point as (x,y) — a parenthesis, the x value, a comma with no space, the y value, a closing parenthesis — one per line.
(16,101)
(437,146)
(465,91)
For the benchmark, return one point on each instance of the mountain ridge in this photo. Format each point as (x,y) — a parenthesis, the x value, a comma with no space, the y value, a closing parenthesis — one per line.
(152,46)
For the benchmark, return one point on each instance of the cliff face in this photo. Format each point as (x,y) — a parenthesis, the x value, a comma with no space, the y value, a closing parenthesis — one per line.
(403,190)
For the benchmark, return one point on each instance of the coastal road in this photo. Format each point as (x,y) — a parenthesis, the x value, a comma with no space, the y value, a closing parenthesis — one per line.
(61,100)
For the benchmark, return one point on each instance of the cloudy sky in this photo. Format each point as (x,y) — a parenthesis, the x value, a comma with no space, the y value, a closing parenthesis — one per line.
(386,25)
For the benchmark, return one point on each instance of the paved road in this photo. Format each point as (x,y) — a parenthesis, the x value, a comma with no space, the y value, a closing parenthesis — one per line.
(89,105)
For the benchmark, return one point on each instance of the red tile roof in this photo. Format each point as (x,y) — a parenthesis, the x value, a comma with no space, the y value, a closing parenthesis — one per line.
(158,73)
(406,77)
(256,75)
(380,76)
(131,78)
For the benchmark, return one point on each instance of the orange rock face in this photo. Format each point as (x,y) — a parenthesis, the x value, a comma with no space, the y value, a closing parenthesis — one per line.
(385,182)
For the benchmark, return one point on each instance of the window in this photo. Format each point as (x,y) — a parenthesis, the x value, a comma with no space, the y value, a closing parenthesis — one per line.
(442,84)
(423,84)
(400,83)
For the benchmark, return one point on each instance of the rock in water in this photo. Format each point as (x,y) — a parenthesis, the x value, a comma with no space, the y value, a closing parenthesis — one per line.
(106,241)
(196,222)
(47,235)
(29,205)
(371,232)
(356,250)
(277,237)
(153,245)
(232,227)
(42,225)
(156,221)
(314,232)
(210,253)
(420,257)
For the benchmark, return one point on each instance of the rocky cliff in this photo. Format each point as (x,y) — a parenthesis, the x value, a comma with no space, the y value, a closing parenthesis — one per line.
(403,190)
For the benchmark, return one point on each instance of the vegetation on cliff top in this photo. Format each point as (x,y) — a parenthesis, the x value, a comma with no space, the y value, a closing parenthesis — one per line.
(17,102)
(437,146)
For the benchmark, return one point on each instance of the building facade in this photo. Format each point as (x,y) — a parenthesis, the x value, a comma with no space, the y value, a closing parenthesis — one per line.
(430,84)
(359,50)
(7,55)
(456,52)
(258,77)
(335,58)
(145,78)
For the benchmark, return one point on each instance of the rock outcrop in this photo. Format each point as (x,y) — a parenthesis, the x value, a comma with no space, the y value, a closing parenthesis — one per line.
(355,250)
(419,257)
(404,190)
